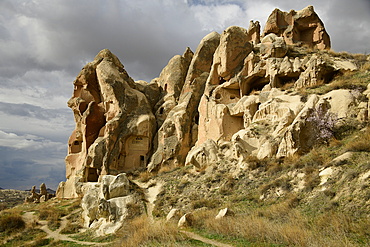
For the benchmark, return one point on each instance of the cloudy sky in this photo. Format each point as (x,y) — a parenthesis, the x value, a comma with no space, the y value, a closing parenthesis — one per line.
(45,43)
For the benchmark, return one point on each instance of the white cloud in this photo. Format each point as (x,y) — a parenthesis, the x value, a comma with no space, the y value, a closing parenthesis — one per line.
(219,17)
(28,142)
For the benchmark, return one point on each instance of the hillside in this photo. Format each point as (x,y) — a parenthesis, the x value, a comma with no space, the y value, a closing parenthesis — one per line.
(269,131)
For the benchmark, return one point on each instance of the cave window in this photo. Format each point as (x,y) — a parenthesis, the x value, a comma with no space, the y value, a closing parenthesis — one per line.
(222,80)
(76,147)
(232,97)
(142,160)
(218,96)
(196,119)
(92,174)
(165,87)
(161,110)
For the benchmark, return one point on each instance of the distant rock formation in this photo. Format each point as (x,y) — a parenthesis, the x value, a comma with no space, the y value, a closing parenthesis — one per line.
(235,96)
(42,196)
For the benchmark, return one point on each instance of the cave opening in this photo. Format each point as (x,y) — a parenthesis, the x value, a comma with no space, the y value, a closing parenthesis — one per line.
(92,174)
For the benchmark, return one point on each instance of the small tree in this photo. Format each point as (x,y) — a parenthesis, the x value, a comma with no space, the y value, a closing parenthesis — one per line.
(323,122)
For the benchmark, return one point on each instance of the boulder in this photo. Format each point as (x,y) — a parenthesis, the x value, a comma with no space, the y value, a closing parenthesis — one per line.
(107,204)
(342,159)
(325,174)
(203,155)
(174,214)
(224,212)
(186,221)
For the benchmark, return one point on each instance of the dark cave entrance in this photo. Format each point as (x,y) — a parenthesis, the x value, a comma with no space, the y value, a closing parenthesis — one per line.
(92,174)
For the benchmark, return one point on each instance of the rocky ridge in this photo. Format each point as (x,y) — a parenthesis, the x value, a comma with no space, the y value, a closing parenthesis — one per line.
(240,95)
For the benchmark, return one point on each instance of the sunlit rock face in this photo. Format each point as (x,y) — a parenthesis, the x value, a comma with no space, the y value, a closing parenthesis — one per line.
(298,27)
(114,124)
(237,95)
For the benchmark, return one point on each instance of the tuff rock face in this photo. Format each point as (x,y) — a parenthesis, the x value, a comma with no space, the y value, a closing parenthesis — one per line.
(108,203)
(234,97)
(114,124)
(302,26)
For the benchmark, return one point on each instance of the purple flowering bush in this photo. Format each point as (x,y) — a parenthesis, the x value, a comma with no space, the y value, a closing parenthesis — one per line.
(323,122)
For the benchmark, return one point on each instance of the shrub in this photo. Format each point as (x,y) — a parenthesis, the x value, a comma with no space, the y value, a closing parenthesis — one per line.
(52,215)
(11,223)
(361,143)
(145,176)
(323,122)
(205,202)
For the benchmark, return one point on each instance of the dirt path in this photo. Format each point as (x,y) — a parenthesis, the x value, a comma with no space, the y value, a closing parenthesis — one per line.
(151,196)
(30,217)
(205,240)
(152,189)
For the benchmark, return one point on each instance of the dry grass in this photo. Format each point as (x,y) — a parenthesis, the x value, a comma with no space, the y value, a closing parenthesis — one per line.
(145,176)
(355,80)
(52,215)
(141,231)
(282,224)
(205,202)
(361,142)
(11,221)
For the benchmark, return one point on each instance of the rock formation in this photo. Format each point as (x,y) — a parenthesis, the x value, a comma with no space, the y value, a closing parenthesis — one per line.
(236,96)
(108,203)
(302,26)
(114,124)
(178,132)
(43,196)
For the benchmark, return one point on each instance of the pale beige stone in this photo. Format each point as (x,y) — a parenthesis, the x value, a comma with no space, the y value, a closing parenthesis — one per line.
(114,124)
(106,203)
(174,214)
(273,46)
(185,221)
(224,212)
(179,131)
(302,26)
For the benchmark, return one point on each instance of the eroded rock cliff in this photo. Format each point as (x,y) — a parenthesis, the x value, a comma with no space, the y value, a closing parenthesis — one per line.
(239,95)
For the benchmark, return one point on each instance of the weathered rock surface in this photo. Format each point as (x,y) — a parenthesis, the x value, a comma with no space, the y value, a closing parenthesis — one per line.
(106,204)
(224,212)
(43,196)
(303,26)
(178,133)
(114,124)
(236,96)
(186,221)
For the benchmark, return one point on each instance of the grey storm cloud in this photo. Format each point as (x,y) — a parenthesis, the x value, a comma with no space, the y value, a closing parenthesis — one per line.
(32,111)
(45,43)
(25,169)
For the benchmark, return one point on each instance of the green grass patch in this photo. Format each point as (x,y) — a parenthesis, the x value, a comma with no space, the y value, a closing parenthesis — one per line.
(89,236)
